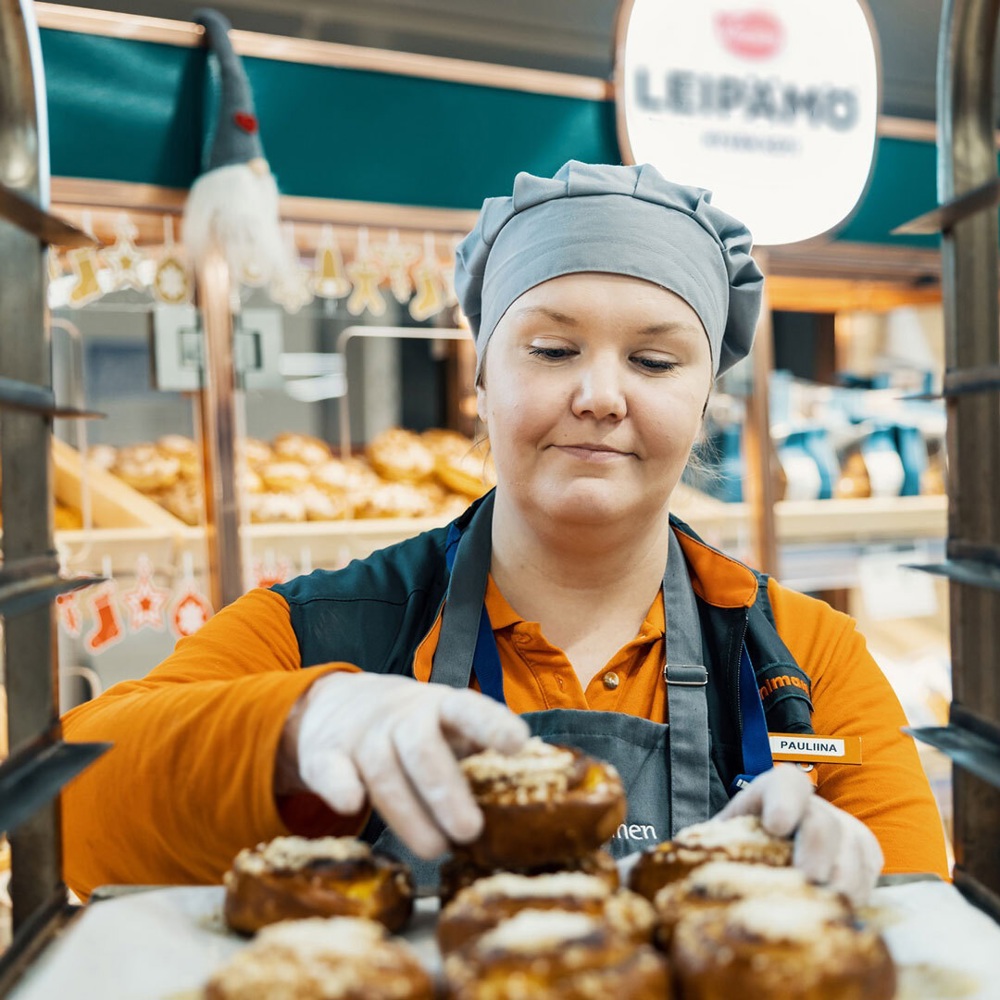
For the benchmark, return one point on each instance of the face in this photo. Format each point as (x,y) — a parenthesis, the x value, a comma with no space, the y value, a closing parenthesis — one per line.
(593,391)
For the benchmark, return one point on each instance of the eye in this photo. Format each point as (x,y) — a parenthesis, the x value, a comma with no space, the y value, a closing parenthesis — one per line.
(550,353)
(655,364)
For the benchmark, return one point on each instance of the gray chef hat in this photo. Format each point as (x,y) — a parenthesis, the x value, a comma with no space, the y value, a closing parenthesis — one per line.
(236,138)
(620,220)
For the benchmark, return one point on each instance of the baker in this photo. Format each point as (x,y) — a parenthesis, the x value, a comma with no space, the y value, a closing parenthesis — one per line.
(568,602)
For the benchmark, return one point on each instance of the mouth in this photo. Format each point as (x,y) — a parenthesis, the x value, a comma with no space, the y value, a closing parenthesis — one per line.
(593,452)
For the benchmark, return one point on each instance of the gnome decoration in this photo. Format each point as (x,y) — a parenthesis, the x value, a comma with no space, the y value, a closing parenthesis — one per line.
(234,203)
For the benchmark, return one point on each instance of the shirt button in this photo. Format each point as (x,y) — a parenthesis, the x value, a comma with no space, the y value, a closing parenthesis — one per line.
(522,638)
(611,680)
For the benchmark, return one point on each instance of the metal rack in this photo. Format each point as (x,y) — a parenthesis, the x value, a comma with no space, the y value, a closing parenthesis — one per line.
(969,190)
(29,578)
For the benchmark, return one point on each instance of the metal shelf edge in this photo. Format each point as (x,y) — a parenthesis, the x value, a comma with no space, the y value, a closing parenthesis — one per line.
(969,750)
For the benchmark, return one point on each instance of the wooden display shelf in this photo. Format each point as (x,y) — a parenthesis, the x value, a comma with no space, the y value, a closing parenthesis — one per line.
(329,544)
(113,503)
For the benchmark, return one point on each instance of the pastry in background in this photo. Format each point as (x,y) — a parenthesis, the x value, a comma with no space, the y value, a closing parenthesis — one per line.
(741,838)
(67,518)
(102,456)
(185,451)
(284,477)
(342,958)
(543,804)
(490,901)
(326,506)
(400,456)
(275,508)
(550,954)
(301,448)
(254,451)
(396,500)
(294,877)
(780,948)
(467,469)
(145,468)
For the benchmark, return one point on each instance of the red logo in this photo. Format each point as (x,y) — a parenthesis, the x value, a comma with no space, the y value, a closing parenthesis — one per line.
(751,34)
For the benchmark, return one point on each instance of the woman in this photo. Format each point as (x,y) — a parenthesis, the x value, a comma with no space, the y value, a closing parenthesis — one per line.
(604,301)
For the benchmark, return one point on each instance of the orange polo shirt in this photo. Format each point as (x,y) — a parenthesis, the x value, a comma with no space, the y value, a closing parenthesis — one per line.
(537,675)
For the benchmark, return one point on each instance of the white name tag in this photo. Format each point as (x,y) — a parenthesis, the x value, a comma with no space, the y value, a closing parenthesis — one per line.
(808,747)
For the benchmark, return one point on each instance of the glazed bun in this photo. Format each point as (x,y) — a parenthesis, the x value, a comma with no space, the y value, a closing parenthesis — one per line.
(541,805)
(490,901)
(775,947)
(293,877)
(550,954)
(343,958)
(741,838)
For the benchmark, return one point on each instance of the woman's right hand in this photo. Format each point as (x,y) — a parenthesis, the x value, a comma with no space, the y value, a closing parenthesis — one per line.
(396,742)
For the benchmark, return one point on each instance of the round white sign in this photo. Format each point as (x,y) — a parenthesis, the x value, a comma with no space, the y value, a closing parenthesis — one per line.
(772,105)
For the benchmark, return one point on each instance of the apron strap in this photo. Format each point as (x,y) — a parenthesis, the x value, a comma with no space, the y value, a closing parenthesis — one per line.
(464,614)
(687,701)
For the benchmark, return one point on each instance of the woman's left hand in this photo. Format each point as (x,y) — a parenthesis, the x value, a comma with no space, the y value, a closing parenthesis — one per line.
(832,847)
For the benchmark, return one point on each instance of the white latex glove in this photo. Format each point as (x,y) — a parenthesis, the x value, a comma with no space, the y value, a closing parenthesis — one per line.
(397,741)
(832,847)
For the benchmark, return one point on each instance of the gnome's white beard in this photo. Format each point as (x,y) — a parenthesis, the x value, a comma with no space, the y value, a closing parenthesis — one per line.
(237,208)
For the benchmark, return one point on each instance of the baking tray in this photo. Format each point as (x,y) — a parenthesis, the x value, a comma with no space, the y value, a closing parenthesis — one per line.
(163,944)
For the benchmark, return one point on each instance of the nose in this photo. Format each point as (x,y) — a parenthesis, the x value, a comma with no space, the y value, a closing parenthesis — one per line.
(600,393)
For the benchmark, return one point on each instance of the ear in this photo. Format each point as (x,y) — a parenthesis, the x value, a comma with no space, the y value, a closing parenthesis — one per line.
(481,403)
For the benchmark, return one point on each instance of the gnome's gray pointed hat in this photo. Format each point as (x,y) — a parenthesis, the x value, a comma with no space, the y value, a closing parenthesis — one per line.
(236,139)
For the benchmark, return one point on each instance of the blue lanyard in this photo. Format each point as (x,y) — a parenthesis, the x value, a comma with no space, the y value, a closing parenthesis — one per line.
(486,659)
(756,746)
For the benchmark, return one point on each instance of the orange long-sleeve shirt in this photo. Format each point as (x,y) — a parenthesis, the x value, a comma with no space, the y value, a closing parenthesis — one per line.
(189,781)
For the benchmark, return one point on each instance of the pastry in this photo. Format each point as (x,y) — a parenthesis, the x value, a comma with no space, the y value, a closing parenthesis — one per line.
(294,877)
(549,954)
(185,451)
(458,872)
(342,958)
(540,805)
(184,500)
(721,883)
(741,838)
(345,476)
(67,518)
(102,456)
(275,508)
(301,448)
(395,500)
(145,468)
(779,948)
(322,506)
(284,477)
(254,451)
(468,471)
(490,901)
(400,456)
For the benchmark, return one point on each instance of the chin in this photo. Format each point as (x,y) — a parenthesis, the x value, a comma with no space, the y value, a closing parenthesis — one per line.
(592,502)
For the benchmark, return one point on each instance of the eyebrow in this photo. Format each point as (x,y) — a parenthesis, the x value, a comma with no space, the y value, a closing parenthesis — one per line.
(564,319)
(545,313)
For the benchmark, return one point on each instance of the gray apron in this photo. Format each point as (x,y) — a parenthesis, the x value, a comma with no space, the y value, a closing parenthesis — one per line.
(665,768)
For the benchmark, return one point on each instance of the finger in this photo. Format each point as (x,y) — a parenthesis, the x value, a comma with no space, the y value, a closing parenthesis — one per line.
(787,799)
(858,865)
(391,794)
(818,842)
(332,776)
(434,774)
(780,797)
(470,717)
